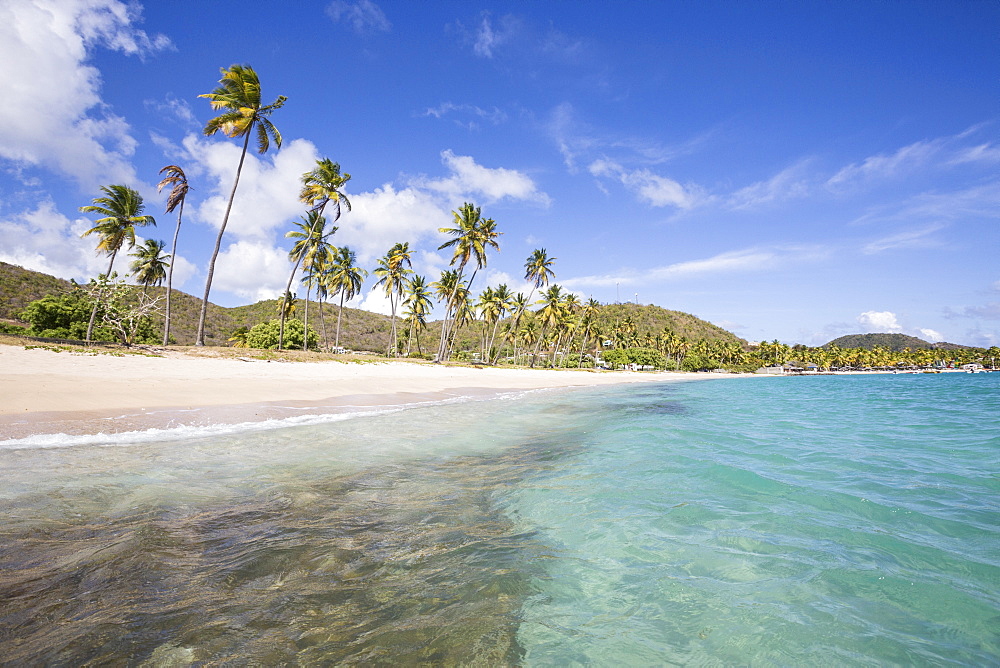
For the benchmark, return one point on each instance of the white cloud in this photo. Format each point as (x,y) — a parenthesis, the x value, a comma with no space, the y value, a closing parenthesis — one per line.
(488,38)
(494,116)
(879,321)
(45,240)
(267,199)
(918,238)
(931,335)
(53,115)
(376,301)
(364,16)
(652,188)
(469,179)
(884,166)
(788,184)
(388,216)
(981,153)
(254,270)
(746,260)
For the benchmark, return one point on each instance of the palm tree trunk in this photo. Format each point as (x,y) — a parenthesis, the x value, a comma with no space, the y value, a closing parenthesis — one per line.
(170,274)
(340,314)
(200,337)
(322,319)
(97,302)
(583,344)
(447,311)
(284,299)
(305,325)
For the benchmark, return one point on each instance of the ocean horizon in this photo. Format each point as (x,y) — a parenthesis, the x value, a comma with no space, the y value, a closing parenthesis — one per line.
(832,520)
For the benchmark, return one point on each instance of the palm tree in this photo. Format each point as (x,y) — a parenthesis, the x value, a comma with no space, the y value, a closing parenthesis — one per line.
(287,305)
(392,270)
(343,277)
(122,210)
(177,180)
(150,264)
(239,95)
(472,237)
(590,311)
(418,305)
(324,184)
(550,314)
(495,306)
(518,304)
(538,270)
(311,247)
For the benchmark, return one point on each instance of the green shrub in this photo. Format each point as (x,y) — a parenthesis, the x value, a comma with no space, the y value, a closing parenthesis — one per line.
(264,335)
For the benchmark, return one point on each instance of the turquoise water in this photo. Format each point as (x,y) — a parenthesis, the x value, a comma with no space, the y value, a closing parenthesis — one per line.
(765,521)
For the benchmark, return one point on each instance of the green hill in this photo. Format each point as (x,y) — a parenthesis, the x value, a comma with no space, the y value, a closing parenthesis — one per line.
(895,342)
(360,330)
(654,319)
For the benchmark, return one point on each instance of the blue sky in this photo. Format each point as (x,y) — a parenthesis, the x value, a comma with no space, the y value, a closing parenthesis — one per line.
(785,170)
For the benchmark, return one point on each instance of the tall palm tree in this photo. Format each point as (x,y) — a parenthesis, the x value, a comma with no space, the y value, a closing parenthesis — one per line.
(310,247)
(417,304)
(239,95)
(472,236)
(121,208)
(345,278)
(150,264)
(392,271)
(179,189)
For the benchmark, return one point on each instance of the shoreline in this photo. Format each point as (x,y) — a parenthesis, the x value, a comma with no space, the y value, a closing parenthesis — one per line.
(43,392)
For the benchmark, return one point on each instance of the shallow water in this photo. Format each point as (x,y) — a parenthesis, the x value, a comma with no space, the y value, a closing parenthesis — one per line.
(784,521)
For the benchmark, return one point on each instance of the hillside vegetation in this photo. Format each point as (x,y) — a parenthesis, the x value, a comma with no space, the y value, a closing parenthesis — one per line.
(893,342)
(360,330)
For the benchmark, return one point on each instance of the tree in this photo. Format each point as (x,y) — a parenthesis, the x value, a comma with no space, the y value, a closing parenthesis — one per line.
(310,247)
(590,311)
(150,264)
(265,335)
(239,95)
(391,271)
(324,184)
(472,237)
(550,314)
(418,305)
(179,189)
(121,209)
(343,277)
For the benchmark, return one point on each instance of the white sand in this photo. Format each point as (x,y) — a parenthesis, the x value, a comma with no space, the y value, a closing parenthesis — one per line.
(40,385)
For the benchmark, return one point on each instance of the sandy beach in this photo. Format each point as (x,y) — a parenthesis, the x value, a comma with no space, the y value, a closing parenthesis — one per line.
(42,391)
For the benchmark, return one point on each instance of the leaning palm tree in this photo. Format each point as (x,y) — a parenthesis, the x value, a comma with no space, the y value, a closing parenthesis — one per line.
(343,277)
(179,188)
(150,264)
(391,271)
(121,209)
(239,95)
(311,247)
(472,236)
